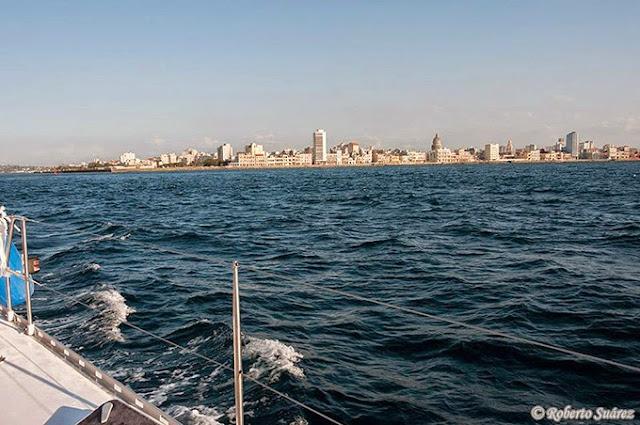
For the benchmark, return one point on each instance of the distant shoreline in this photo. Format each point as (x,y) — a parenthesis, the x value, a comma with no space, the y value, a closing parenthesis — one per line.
(279,167)
(410,164)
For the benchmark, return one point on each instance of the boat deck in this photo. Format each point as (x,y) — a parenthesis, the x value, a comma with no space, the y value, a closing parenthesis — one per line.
(37,387)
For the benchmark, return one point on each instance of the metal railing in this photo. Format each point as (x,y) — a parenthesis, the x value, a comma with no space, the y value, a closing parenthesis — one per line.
(93,373)
(25,271)
(80,363)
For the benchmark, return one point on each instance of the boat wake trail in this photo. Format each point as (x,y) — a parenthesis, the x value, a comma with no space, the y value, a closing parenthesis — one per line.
(272,358)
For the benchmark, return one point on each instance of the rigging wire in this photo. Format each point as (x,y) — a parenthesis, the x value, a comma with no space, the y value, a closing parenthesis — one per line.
(386,304)
(447,320)
(192,352)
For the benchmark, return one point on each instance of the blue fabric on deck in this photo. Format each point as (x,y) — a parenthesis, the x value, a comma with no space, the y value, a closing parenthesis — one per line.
(18,290)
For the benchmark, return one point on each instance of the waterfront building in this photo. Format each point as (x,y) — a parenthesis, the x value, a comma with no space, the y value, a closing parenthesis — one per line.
(586,145)
(491,152)
(189,156)
(560,145)
(245,159)
(304,159)
(437,143)
(282,159)
(380,157)
(168,158)
(531,147)
(365,158)
(148,163)
(612,152)
(441,156)
(254,149)
(225,152)
(354,148)
(417,157)
(319,146)
(278,161)
(572,144)
(334,158)
(128,158)
(533,155)
(464,155)
(439,153)
(510,149)
(254,156)
(588,150)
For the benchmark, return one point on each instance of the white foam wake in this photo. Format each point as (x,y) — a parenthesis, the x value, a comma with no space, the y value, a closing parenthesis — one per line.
(197,415)
(272,357)
(114,311)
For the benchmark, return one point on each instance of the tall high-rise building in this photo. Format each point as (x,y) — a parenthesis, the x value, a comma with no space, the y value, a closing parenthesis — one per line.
(491,152)
(225,152)
(572,144)
(319,146)
(437,144)
(510,149)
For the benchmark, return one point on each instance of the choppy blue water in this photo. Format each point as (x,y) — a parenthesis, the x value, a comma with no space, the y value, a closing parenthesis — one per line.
(545,251)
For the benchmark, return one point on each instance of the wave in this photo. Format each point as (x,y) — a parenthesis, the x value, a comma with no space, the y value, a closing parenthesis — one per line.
(130,374)
(114,311)
(197,415)
(272,357)
(623,240)
(99,238)
(78,270)
(299,420)
(373,243)
(92,267)
(182,379)
(204,331)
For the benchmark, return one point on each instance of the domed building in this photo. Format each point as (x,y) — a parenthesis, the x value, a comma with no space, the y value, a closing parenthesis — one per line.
(439,153)
(437,144)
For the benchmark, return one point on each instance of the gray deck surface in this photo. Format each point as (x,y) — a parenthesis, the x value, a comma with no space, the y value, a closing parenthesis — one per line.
(37,387)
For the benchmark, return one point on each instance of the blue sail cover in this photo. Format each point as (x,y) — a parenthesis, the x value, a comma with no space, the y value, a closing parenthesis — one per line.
(18,289)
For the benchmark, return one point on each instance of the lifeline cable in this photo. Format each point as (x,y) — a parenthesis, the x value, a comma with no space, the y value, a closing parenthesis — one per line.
(386,304)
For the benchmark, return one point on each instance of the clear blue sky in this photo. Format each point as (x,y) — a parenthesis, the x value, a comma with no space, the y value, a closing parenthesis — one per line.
(94,78)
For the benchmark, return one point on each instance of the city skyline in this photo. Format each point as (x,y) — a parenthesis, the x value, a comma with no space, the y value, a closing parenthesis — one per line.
(348,153)
(227,152)
(87,80)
